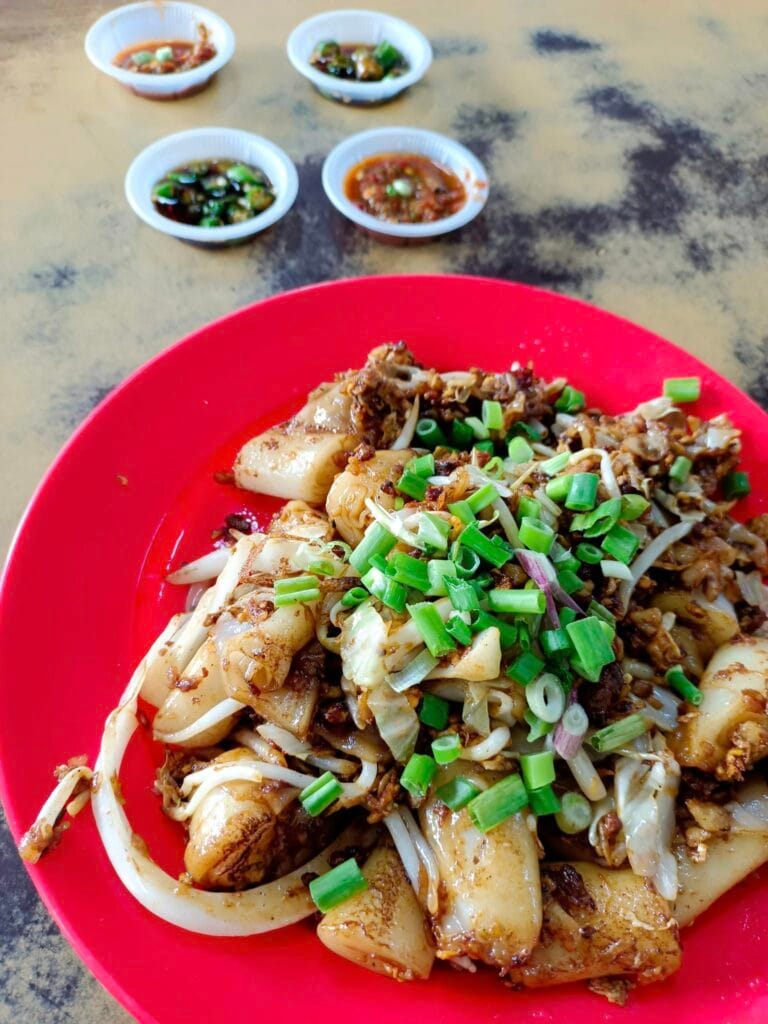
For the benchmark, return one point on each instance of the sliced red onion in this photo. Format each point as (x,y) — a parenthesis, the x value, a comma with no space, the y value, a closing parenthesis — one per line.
(570,731)
(543,573)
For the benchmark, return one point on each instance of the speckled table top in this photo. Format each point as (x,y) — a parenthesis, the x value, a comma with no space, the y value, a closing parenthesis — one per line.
(627,149)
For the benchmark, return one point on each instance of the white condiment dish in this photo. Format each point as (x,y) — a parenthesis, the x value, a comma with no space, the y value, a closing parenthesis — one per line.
(151,21)
(173,151)
(359,26)
(439,148)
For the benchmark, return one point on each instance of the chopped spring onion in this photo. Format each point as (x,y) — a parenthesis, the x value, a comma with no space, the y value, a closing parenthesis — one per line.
(296,590)
(682,389)
(412,485)
(423,465)
(457,793)
(432,629)
(418,774)
(528,508)
(479,430)
(601,612)
(354,597)
(554,465)
(415,672)
(429,433)
(391,593)
(590,643)
(463,511)
(297,597)
(434,711)
(575,813)
(494,467)
(680,469)
(480,499)
(433,531)
(570,731)
(142,57)
(320,794)
(538,769)
(567,615)
(590,554)
(599,520)
(559,488)
(462,594)
(517,602)
(582,493)
(570,400)
(322,567)
(536,535)
(485,446)
(295,584)
(459,630)
(446,749)
(473,538)
(376,541)
(437,571)
(508,633)
(528,430)
(736,485)
(615,570)
(554,642)
(409,571)
(570,582)
(546,698)
(499,802)
(525,668)
(337,885)
(399,503)
(543,801)
(519,450)
(164,53)
(493,415)
(621,543)
(683,686)
(538,727)
(618,734)
(467,562)
(633,506)
(462,434)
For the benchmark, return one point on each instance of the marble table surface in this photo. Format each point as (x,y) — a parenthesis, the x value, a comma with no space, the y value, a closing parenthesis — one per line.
(626,145)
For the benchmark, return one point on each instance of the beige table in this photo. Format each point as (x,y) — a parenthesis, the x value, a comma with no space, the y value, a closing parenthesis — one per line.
(627,144)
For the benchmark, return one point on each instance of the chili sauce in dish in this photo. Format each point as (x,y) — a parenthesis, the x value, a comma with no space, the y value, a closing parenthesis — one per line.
(405,188)
(167,58)
(213,193)
(360,62)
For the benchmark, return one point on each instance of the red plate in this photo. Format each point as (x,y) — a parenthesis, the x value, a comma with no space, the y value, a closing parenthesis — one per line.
(83,595)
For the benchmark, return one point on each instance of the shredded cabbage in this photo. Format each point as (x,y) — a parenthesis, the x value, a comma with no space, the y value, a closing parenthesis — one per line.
(645,793)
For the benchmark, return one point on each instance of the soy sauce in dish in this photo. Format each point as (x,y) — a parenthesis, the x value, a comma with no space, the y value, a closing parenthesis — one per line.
(213,193)
(166,58)
(361,62)
(405,188)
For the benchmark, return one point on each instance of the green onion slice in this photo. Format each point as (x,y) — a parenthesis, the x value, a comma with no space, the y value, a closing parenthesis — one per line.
(618,734)
(337,885)
(427,620)
(492,807)
(575,813)
(418,774)
(457,793)
(446,749)
(434,711)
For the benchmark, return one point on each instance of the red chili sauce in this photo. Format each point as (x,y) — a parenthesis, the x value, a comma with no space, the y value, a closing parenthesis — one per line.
(157,57)
(405,188)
